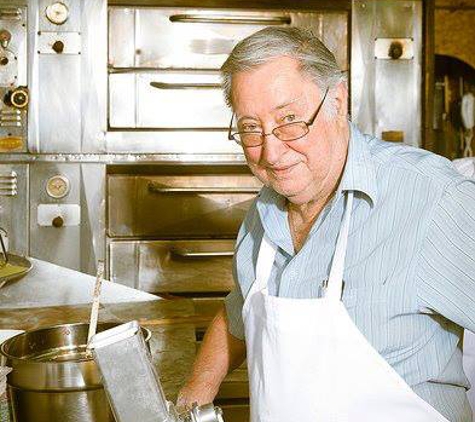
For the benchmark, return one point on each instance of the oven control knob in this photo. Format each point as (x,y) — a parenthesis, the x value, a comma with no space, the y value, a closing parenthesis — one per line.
(4,61)
(58,221)
(19,97)
(58,47)
(395,50)
(5,38)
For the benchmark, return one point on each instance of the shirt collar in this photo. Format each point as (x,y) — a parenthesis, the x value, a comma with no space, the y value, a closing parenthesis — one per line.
(359,173)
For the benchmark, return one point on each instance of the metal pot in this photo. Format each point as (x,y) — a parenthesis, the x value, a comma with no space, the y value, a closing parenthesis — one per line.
(53,379)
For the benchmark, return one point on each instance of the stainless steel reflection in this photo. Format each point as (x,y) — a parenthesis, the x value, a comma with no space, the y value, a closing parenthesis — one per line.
(52,379)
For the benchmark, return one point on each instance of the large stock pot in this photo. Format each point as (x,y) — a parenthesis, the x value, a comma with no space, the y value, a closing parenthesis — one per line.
(53,379)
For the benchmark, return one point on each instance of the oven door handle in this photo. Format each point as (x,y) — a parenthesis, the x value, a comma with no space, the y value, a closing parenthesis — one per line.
(198,85)
(190,253)
(156,188)
(232,19)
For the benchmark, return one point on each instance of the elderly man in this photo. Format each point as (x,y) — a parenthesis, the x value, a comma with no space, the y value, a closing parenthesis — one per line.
(355,266)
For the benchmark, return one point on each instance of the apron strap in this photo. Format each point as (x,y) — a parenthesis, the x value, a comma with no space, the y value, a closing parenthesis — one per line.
(335,280)
(265,261)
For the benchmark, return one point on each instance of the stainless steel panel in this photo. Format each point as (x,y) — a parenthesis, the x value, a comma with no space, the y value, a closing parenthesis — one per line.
(386,94)
(122,37)
(93,212)
(336,37)
(199,266)
(94,75)
(190,145)
(59,245)
(200,39)
(14,72)
(179,205)
(59,103)
(14,213)
(13,122)
(384,48)
(168,100)
(73,22)
(122,101)
(79,246)
(71,42)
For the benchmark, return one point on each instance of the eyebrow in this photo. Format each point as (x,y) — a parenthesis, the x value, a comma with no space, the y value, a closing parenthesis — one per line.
(279,107)
(287,103)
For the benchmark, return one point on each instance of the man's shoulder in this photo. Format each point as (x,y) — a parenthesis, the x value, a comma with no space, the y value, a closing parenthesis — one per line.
(398,161)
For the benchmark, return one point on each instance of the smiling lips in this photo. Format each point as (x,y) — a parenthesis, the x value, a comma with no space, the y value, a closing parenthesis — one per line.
(283,170)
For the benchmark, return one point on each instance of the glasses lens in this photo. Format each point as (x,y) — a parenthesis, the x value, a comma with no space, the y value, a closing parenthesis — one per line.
(248,139)
(291,131)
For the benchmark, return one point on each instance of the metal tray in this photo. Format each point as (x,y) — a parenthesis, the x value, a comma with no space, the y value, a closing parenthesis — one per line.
(19,261)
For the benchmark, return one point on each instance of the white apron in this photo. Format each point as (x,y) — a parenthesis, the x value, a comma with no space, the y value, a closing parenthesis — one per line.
(308,362)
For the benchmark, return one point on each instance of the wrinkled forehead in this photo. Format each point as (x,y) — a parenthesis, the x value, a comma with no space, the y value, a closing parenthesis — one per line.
(271,85)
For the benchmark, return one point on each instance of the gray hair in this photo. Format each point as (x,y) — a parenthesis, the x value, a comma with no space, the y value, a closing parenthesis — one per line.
(316,61)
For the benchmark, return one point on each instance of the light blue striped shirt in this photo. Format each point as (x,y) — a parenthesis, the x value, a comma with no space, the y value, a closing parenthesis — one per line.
(410,265)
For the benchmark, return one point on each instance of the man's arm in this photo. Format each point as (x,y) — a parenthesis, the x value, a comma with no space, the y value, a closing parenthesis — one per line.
(219,354)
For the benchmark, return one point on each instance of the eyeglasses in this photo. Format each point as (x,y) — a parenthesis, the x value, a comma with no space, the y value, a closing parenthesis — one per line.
(286,133)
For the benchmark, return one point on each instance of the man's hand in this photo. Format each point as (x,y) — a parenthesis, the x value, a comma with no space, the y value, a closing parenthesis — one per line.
(195,391)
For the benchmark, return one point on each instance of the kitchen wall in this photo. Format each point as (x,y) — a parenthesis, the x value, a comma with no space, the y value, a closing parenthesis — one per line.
(455,29)
(454,73)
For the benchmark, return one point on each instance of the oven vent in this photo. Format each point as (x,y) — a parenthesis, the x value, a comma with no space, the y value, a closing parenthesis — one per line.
(10,118)
(12,13)
(8,184)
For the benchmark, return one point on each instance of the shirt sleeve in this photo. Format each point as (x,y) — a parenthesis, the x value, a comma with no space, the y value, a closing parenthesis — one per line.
(234,303)
(446,271)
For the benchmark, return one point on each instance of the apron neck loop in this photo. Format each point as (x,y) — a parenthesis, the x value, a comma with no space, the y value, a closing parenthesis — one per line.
(335,280)
(265,261)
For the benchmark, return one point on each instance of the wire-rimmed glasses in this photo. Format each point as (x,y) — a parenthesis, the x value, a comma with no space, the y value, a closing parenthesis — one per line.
(286,133)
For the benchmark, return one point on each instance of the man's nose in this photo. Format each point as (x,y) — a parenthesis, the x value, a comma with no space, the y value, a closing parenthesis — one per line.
(272,149)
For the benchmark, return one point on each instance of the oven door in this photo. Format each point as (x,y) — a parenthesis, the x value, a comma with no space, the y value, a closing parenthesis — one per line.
(192,268)
(179,206)
(167,100)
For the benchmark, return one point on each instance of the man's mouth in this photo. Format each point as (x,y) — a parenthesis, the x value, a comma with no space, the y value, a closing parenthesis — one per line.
(282,170)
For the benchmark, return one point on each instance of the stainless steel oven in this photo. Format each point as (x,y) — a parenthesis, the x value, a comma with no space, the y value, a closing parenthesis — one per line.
(164,84)
(173,232)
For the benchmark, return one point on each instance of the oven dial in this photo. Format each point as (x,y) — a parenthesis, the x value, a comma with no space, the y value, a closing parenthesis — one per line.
(58,186)
(57,13)
(19,97)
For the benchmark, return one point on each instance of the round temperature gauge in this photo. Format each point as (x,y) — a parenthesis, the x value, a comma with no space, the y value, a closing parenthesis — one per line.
(57,13)
(58,186)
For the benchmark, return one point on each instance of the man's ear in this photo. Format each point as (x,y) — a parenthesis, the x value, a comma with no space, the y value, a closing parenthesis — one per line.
(340,95)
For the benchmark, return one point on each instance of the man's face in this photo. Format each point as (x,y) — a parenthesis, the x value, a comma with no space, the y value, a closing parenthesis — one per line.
(277,93)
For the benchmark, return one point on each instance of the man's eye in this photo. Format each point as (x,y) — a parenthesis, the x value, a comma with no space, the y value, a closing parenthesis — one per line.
(249,127)
(289,118)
